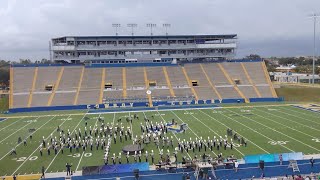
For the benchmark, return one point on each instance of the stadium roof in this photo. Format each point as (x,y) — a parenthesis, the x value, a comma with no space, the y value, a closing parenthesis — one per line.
(224,36)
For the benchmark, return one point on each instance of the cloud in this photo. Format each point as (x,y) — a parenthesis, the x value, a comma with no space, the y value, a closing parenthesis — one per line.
(262,25)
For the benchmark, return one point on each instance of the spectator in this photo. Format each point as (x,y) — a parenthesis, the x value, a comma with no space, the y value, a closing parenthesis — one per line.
(236,165)
(280,159)
(312,162)
(187,176)
(68,169)
(43,170)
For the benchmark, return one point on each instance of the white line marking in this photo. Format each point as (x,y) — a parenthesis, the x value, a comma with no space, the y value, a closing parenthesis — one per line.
(95,124)
(192,131)
(159,139)
(301,110)
(79,161)
(276,131)
(305,119)
(30,134)
(154,110)
(286,125)
(35,150)
(16,131)
(131,126)
(12,123)
(60,148)
(174,136)
(213,131)
(255,131)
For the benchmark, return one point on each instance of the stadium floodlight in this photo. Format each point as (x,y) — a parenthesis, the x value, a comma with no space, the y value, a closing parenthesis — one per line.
(116,26)
(166,25)
(132,25)
(151,25)
(315,17)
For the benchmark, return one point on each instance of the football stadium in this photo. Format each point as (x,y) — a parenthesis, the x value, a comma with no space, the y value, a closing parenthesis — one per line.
(153,107)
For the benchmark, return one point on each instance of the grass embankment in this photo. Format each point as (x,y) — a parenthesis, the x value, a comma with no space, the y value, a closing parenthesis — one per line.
(295,93)
(4,103)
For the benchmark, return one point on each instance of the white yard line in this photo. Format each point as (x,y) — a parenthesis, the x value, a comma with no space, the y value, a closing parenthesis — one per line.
(11,124)
(256,131)
(79,161)
(276,131)
(237,132)
(192,131)
(287,120)
(159,139)
(174,135)
(304,118)
(212,130)
(95,124)
(310,112)
(30,134)
(38,147)
(131,126)
(114,117)
(60,148)
(16,131)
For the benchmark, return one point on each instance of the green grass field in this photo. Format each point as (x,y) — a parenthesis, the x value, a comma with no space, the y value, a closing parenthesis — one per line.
(268,129)
(296,93)
(4,103)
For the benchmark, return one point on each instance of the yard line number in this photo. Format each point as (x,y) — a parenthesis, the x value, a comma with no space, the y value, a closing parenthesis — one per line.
(278,142)
(33,158)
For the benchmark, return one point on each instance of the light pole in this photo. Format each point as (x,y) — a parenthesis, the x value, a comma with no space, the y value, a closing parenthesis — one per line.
(314,16)
(166,26)
(132,25)
(116,26)
(150,25)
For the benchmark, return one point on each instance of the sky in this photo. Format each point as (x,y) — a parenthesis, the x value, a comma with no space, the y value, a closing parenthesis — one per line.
(264,27)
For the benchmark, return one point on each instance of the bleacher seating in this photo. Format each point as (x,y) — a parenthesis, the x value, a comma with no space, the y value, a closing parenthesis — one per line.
(248,91)
(135,77)
(215,74)
(66,91)
(46,76)
(203,90)
(156,74)
(214,80)
(70,78)
(228,92)
(90,86)
(236,72)
(20,100)
(160,93)
(114,76)
(40,99)
(136,93)
(63,98)
(256,72)
(21,84)
(265,90)
(113,94)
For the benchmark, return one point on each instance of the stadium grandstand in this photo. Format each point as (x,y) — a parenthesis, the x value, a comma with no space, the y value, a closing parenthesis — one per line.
(143,70)
(148,107)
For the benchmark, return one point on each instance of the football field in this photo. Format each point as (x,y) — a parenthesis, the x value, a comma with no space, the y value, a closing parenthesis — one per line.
(267,129)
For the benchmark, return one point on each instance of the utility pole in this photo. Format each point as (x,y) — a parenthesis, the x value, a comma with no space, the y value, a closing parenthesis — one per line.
(132,25)
(314,16)
(150,25)
(166,26)
(116,26)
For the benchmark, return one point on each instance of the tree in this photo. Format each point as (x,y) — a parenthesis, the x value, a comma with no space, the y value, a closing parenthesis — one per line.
(253,56)
(25,61)
(45,61)
(317,71)
(4,76)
